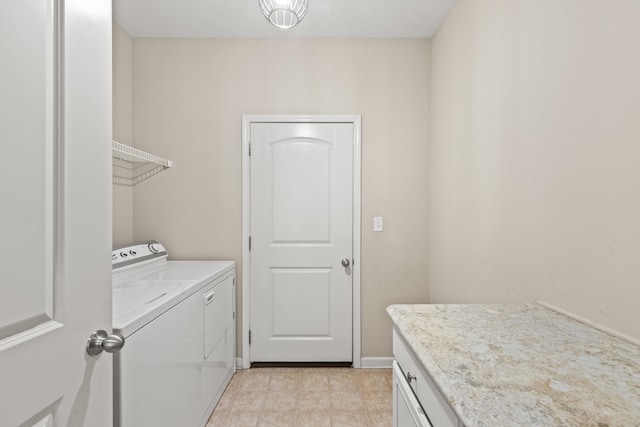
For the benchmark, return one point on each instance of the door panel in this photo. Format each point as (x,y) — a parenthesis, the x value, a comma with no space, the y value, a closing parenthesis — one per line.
(301,229)
(301,191)
(30,42)
(309,315)
(55,122)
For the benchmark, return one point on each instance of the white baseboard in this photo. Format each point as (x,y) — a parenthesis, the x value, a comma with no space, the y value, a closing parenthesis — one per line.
(376,362)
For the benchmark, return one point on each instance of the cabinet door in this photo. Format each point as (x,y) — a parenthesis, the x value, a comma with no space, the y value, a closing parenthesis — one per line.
(407,412)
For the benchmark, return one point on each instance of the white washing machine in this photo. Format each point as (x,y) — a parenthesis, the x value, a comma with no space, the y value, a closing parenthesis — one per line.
(178,321)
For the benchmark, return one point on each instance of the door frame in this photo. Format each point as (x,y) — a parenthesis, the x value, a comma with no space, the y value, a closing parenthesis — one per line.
(247,120)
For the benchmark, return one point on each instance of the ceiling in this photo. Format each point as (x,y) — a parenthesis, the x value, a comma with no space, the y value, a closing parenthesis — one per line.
(243,19)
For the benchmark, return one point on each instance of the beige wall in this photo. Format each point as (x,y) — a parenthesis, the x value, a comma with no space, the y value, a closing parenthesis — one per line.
(122,130)
(189,96)
(534,159)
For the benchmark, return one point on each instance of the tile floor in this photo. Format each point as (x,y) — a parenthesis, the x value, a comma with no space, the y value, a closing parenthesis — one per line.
(309,397)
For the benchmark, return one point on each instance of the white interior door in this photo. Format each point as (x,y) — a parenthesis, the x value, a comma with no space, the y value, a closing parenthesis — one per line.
(55,288)
(301,232)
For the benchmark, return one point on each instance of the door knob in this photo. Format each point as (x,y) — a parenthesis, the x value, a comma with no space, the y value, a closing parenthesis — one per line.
(100,340)
(346,263)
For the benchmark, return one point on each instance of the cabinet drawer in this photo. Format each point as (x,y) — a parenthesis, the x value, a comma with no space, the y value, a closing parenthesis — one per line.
(437,409)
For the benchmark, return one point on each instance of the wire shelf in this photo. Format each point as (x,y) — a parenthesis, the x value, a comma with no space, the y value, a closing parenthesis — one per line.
(132,166)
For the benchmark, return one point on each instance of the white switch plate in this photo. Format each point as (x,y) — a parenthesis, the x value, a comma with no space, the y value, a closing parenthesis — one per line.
(378,223)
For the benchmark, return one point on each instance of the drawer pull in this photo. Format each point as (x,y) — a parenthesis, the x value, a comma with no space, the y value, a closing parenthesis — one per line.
(410,377)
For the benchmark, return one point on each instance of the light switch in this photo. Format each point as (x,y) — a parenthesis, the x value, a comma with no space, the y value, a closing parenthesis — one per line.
(378,223)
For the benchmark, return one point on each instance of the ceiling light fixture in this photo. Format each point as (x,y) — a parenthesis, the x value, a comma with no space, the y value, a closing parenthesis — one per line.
(284,13)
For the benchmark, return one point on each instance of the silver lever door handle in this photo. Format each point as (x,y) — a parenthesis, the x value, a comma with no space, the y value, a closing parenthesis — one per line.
(100,340)
(346,263)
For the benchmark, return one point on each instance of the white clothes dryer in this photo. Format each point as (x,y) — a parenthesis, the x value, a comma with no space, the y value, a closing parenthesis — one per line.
(178,321)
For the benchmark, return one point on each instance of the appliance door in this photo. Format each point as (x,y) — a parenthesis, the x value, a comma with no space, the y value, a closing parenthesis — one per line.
(407,411)
(216,307)
(217,366)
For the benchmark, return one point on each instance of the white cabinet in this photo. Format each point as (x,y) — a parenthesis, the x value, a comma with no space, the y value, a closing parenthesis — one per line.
(420,387)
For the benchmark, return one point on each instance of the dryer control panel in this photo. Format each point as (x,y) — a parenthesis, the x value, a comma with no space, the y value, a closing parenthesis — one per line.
(129,254)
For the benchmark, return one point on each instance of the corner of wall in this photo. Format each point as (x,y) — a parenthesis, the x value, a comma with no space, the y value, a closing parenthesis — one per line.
(122,63)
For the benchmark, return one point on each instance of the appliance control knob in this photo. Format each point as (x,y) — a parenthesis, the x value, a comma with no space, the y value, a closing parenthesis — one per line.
(114,256)
(123,254)
(133,253)
(152,248)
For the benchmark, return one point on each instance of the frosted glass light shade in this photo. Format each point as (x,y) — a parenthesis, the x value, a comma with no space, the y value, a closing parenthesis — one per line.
(284,13)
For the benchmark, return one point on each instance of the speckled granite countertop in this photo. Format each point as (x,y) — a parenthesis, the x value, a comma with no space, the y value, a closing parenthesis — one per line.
(523,365)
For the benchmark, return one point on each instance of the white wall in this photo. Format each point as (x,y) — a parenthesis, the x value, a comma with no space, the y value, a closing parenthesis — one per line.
(188,99)
(535,157)
(122,130)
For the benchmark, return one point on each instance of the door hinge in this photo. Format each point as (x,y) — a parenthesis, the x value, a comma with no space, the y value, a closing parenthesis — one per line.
(249,336)
(249,149)
(249,243)
(234,315)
